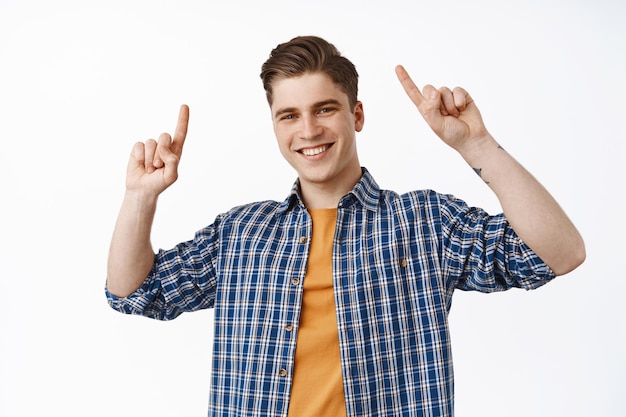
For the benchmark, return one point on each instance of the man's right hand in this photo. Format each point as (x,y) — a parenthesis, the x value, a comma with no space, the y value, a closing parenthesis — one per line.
(153,166)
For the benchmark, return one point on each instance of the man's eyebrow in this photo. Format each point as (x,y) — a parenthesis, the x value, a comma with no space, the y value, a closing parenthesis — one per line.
(284,110)
(326,103)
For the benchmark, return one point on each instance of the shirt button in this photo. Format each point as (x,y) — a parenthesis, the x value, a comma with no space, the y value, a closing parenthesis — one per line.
(404,263)
(303,239)
(289,327)
(282,372)
(295,281)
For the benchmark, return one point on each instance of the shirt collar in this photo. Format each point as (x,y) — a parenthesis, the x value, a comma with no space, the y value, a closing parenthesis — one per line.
(366,192)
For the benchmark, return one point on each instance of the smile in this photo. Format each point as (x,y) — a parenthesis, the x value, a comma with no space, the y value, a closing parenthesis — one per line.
(314,151)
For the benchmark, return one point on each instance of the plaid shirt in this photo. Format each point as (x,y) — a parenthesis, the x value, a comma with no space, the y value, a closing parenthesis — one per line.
(396,261)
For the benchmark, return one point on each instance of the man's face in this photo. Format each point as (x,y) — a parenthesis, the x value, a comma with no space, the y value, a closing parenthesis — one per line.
(316,131)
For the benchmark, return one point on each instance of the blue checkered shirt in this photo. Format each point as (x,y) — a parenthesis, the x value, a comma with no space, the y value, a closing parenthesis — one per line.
(397,259)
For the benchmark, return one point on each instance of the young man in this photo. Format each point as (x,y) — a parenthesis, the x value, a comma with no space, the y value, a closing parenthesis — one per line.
(335,301)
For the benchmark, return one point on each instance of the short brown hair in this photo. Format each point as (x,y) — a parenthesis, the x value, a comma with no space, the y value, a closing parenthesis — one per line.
(310,54)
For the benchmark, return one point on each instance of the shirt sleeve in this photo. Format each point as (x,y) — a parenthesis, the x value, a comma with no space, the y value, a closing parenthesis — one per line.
(483,253)
(182,279)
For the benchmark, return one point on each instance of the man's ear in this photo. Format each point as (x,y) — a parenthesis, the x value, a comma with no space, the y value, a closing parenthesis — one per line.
(359,116)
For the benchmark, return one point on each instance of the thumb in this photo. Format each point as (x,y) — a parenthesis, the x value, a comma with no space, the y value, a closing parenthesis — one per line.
(431,108)
(137,156)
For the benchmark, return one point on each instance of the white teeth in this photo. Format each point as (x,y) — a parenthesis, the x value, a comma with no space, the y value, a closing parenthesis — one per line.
(314,151)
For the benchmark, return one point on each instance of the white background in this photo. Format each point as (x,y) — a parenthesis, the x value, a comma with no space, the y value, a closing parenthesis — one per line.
(81,81)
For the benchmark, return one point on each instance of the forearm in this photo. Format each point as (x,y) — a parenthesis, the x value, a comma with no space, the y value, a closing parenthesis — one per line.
(533,213)
(131,255)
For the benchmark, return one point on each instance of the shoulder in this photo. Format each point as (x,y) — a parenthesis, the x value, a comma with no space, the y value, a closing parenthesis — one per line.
(252,211)
(418,199)
(429,204)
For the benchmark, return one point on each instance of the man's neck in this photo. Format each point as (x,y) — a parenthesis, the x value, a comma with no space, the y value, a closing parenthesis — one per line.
(317,195)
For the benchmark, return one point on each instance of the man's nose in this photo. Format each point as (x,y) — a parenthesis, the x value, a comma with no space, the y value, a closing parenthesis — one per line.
(310,128)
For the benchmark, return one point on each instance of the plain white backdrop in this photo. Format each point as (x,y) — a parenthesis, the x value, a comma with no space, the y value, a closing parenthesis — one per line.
(81,81)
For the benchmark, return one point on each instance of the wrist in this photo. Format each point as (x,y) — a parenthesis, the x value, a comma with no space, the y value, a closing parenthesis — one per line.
(140,200)
(478,149)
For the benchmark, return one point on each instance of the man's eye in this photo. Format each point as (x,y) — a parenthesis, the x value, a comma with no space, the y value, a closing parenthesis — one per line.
(288,117)
(326,110)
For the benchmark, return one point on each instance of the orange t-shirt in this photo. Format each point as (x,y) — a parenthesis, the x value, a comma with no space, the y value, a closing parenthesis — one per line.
(317,388)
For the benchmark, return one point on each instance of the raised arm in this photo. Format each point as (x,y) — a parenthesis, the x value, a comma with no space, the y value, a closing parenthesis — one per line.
(153,166)
(530,209)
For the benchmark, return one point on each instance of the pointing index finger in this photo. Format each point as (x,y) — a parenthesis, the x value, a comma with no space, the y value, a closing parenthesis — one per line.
(409,86)
(181,130)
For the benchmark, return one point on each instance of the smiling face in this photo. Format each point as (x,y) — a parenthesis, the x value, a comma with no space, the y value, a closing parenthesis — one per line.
(316,131)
